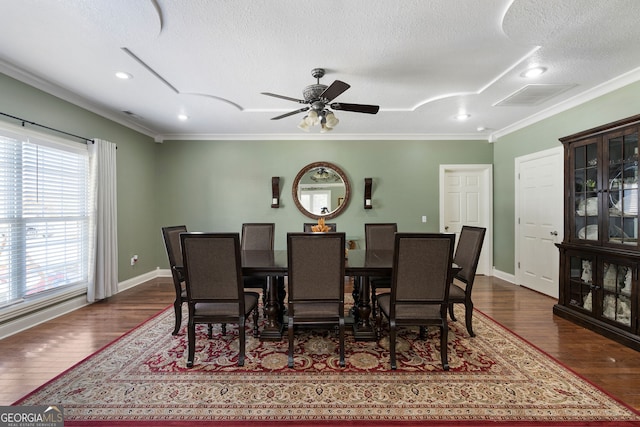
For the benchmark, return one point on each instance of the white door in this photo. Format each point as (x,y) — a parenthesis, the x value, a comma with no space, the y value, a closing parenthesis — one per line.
(466,198)
(539,208)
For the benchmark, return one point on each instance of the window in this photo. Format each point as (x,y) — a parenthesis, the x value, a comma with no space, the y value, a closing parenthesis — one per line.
(316,201)
(44,216)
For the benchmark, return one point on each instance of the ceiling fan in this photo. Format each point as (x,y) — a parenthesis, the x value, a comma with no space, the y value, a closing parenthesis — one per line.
(319,97)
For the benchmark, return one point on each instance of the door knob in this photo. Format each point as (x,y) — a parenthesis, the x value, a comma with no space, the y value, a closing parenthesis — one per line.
(554,233)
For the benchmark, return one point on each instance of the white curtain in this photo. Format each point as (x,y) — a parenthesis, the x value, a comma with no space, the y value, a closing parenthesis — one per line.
(103,267)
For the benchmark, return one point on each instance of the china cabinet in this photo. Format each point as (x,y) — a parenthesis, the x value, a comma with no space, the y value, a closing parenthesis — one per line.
(599,255)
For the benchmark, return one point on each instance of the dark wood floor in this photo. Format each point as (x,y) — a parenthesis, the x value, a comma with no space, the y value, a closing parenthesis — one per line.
(31,358)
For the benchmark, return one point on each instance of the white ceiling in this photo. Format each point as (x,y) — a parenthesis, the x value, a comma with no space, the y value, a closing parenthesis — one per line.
(422,61)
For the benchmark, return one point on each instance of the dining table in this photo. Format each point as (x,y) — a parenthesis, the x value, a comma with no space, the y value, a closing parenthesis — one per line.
(359,264)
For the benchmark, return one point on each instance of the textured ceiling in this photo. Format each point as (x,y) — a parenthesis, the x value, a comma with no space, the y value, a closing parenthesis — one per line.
(421,61)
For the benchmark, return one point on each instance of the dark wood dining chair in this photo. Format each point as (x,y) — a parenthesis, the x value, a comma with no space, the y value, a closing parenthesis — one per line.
(171,236)
(215,291)
(379,236)
(419,287)
(307,226)
(466,257)
(316,283)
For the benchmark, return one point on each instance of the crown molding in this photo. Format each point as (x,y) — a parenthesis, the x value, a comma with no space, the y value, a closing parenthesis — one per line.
(323,137)
(66,95)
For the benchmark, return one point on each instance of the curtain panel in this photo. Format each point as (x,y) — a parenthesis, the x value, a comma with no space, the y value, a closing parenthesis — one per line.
(103,268)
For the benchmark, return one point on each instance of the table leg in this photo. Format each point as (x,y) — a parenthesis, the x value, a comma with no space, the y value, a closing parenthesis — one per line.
(362,328)
(272,330)
(356,298)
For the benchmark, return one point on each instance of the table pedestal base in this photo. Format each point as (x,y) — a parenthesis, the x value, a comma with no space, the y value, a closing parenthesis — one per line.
(273,310)
(362,328)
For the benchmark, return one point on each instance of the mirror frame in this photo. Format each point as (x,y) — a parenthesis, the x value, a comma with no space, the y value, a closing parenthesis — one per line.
(337,170)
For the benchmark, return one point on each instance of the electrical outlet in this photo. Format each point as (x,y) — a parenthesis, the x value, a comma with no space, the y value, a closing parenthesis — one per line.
(134,259)
(424,218)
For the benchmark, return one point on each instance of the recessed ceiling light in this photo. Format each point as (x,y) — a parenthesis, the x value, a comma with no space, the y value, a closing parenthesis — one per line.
(462,117)
(183,117)
(124,76)
(481,128)
(534,72)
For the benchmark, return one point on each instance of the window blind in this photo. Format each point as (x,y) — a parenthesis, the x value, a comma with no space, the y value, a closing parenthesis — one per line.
(44,216)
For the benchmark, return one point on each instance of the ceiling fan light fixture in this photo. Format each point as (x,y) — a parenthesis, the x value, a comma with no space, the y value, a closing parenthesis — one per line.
(324,128)
(304,125)
(331,120)
(312,118)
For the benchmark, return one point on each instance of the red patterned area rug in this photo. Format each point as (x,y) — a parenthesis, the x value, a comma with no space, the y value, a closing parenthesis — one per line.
(496,378)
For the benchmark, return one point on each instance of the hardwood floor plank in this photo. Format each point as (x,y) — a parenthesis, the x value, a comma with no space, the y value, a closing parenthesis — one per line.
(33,357)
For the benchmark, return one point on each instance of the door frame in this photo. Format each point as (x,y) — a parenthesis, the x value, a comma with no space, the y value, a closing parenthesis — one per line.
(486,183)
(517,235)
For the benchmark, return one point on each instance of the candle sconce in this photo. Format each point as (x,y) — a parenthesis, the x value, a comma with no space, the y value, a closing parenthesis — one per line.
(367,193)
(275,192)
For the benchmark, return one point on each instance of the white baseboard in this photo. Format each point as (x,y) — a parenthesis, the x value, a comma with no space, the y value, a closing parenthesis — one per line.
(163,272)
(30,320)
(511,278)
(135,281)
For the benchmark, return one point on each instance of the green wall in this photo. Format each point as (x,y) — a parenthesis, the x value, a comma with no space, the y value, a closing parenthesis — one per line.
(624,102)
(218,185)
(137,189)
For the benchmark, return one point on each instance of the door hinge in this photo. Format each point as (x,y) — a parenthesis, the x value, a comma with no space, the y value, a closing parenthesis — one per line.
(518,264)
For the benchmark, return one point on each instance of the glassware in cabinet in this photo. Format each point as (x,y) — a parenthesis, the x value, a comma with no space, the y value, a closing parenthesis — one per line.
(585,192)
(616,292)
(581,282)
(622,189)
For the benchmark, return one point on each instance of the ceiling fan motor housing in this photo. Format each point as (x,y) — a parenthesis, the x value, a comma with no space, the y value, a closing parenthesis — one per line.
(312,92)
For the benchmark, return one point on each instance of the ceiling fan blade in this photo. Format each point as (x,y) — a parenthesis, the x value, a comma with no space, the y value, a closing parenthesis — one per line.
(288,98)
(290,113)
(334,90)
(357,108)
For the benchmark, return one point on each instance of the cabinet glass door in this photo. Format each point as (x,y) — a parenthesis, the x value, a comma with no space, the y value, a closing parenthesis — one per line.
(585,191)
(617,281)
(622,191)
(581,282)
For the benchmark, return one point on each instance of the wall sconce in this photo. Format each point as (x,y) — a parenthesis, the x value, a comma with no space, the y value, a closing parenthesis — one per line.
(367,193)
(275,192)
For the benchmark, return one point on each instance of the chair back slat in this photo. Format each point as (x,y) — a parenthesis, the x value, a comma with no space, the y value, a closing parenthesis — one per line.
(171,237)
(316,266)
(257,236)
(422,263)
(380,236)
(468,252)
(212,266)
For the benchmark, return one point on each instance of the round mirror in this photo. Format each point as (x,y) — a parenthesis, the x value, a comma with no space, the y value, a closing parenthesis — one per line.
(321,190)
